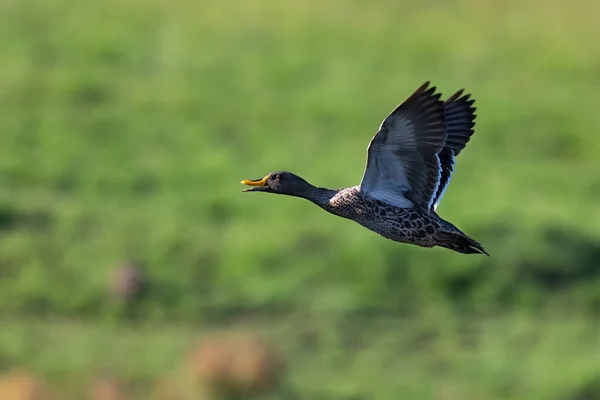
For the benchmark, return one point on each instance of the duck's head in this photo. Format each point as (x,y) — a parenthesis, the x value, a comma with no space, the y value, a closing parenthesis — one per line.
(280,182)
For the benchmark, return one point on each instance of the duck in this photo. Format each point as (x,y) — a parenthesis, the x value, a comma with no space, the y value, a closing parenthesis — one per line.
(410,162)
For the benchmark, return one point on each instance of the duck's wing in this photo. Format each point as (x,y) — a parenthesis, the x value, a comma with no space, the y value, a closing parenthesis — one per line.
(403,167)
(460,123)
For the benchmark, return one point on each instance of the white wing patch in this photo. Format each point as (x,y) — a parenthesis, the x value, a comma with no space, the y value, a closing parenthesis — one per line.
(439,199)
(437,183)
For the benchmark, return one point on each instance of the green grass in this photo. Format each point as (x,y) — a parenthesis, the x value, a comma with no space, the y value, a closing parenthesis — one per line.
(127,126)
(518,357)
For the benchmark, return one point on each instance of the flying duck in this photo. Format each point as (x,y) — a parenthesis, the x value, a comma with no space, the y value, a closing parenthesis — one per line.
(410,161)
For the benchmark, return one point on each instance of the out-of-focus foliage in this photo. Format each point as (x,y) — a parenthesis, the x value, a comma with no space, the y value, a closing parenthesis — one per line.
(125,128)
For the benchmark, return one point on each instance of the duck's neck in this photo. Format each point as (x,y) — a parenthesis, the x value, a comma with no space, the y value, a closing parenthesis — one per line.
(321,196)
(316,195)
(304,189)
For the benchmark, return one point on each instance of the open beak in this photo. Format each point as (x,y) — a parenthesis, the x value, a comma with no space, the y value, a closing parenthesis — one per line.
(259,185)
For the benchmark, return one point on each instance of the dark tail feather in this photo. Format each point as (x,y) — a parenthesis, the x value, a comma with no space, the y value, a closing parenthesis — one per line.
(461,243)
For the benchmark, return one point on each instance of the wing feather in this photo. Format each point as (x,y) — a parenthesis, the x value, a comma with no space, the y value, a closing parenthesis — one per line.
(403,167)
(460,123)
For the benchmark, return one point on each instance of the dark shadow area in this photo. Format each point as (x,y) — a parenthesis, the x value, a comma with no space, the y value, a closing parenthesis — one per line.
(588,391)
(572,258)
(11,217)
(561,261)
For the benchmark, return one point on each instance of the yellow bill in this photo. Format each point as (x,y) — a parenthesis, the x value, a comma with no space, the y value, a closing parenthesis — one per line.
(259,184)
(256,182)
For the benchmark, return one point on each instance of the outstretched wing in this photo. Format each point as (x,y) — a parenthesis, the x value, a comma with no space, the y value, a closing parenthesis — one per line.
(403,167)
(460,124)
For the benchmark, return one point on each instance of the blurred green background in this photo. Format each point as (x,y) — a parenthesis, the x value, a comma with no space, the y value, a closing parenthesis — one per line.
(126,126)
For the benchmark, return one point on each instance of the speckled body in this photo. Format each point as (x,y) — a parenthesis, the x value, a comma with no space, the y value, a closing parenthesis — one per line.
(405,225)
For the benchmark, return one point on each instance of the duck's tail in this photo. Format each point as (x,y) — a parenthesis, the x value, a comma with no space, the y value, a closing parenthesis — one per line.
(460,242)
